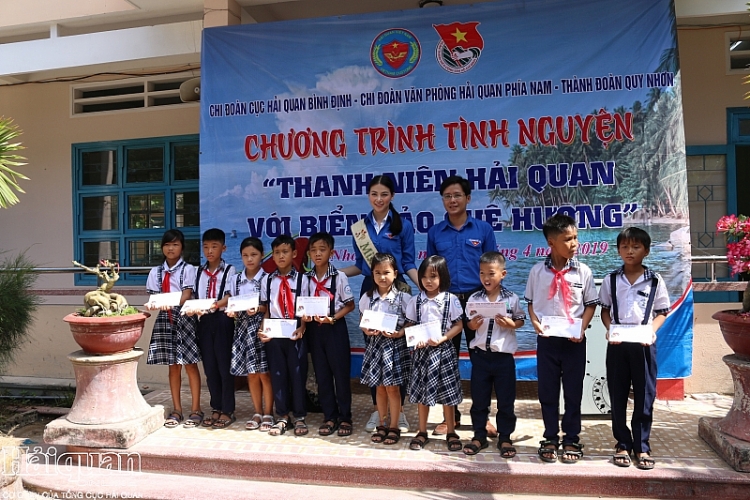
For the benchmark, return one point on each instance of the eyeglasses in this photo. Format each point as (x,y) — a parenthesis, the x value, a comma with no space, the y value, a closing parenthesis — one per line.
(449,197)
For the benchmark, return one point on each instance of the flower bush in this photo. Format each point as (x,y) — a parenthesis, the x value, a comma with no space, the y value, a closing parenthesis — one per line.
(737,230)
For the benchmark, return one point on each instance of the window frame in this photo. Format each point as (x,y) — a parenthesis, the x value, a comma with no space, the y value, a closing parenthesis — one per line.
(168,186)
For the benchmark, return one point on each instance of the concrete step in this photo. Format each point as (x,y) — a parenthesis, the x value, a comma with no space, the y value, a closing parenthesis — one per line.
(151,486)
(189,472)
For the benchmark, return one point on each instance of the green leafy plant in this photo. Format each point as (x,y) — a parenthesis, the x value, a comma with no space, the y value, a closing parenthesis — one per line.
(9,160)
(17,303)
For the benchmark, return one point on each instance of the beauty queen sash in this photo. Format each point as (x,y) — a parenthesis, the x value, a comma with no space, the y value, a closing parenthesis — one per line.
(368,250)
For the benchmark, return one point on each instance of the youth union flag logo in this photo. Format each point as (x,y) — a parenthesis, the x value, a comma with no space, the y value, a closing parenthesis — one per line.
(459,47)
(395,53)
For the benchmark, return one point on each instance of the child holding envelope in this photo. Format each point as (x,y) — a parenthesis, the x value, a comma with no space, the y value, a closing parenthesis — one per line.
(635,304)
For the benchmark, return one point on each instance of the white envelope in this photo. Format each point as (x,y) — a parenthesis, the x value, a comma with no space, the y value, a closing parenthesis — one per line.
(159,300)
(279,328)
(313,306)
(487,309)
(560,326)
(422,333)
(641,334)
(380,321)
(197,305)
(242,303)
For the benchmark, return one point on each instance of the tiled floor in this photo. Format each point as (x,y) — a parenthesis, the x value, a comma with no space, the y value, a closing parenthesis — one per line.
(674,440)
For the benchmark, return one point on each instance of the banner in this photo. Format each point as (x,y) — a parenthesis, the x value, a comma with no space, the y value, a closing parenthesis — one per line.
(544,106)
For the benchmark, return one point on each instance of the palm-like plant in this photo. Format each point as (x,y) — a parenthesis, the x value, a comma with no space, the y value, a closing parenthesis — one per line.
(9,160)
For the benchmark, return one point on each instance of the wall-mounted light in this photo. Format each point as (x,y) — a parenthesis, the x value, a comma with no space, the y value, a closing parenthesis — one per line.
(430,3)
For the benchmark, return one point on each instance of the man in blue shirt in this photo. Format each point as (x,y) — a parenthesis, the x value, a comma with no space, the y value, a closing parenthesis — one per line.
(461,240)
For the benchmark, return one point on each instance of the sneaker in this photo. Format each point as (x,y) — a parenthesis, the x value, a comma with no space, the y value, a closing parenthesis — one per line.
(403,424)
(373,422)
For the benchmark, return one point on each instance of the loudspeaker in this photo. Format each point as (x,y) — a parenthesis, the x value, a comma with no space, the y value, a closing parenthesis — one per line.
(190,90)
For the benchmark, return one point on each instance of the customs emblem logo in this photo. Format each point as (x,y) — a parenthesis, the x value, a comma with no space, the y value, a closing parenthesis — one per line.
(395,53)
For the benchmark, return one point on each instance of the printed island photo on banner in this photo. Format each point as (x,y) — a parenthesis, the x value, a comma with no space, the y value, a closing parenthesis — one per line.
(545,106)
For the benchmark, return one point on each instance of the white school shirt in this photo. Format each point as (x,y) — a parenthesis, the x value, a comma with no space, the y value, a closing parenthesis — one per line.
(502,339)
(182,277)
(341,296)
(272,300)
(632,299)
(202,291)
(579,278)
(432,308)
(248,286)
(392,303)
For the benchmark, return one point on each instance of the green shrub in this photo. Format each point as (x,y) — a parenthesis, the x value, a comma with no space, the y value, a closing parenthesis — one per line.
(17,303)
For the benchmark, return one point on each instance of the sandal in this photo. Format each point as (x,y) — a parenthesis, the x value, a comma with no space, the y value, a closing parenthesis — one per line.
(645,462)
(327,428)
(278,428)
(266,423)
(300,427)
(419,441)
(209,421)
(546,451)
(621,459)
(381,432)
(194,420)
(173,420)
(254,423)
(453,442)
(345,429)
(508,451)
(223,423)
(573,455)
(472,449)
(394,434)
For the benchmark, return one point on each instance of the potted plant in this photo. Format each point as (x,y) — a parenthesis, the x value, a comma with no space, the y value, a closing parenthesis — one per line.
(107,324)
(735,324)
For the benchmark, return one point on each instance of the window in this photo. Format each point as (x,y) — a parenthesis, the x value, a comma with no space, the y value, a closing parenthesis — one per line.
(737,52)
(133,93)
(127,193)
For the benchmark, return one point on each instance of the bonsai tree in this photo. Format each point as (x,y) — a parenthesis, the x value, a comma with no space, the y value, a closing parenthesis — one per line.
(102,302)
(737,230)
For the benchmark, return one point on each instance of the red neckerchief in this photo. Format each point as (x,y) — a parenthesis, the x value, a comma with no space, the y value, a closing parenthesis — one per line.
(165,288)
(559,283)
(320,287)
(211,294)
(286,299)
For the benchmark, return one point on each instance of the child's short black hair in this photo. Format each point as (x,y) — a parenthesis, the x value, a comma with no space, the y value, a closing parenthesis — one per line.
(171,235)
(634,234)
(283,239)
(215,234)
(558,223)
(380,258)
(321,236)
(456,179)
(440,265)
(492,257)
(252,241)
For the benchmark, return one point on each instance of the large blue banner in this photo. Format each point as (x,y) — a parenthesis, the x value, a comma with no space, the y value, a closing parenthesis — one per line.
(545,106)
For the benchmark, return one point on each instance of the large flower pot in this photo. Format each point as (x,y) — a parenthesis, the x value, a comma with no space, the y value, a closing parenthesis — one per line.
(736,331)
(106,335)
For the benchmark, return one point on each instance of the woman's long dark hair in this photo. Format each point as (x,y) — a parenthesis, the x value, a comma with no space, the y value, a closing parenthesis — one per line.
(384,180)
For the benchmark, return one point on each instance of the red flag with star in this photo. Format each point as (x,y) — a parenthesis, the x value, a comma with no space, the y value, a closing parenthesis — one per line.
(464,35)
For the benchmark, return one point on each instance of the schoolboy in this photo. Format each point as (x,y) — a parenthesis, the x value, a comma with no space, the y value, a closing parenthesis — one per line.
(491,352)
(633,295)
(287,358)
(328,337)
(216,330)
(564,287)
